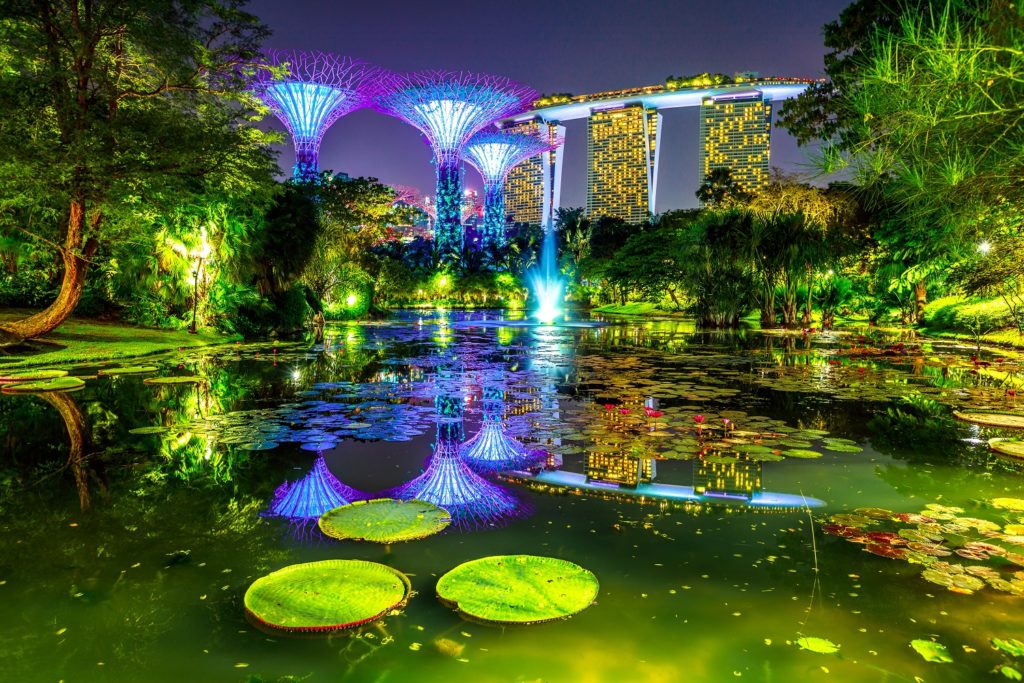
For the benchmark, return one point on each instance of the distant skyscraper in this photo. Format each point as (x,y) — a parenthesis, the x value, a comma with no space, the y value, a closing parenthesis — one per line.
(735,133)
(532,189)
(622,162)
(623,470)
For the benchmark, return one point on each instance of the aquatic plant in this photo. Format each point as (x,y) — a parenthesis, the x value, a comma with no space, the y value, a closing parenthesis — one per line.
(384,520)
(326,596)
(517,589)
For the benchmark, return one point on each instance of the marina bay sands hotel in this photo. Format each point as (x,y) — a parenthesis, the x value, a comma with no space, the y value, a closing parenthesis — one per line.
(624,143)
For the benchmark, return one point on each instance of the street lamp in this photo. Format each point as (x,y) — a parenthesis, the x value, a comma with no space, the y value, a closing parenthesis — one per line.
(984,247)
(198,256)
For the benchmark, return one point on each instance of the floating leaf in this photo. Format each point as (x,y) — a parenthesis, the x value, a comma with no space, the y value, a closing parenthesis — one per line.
(128,370)
(1014,504)
(178,379)
(385,520)
(819,645)
(32,375)
(517,589)
(326,595)
(931,651)
(1011,646)
(55,384)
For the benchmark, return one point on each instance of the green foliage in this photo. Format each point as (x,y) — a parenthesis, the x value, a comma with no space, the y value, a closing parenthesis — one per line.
(720,189)
(916,420)
(956,313)
(931,651)
(822,646)
(384,520)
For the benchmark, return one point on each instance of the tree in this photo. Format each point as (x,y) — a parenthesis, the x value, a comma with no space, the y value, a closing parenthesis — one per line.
(650,264)
(112,105)
(719,189)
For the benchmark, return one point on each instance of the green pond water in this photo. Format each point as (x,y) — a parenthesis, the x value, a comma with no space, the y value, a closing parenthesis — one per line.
(125,556)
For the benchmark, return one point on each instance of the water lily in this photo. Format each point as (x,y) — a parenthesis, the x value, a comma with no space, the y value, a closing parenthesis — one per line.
(625,411)
(699,419)
(609,407)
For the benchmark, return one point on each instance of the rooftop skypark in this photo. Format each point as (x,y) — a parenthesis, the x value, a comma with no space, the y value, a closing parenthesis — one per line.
(319,88)
(493,154)
(449,108)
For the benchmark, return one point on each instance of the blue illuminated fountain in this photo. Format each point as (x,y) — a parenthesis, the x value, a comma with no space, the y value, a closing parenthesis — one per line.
(491,449)
(450,483)
(319,88)
(547,285)
(313,495)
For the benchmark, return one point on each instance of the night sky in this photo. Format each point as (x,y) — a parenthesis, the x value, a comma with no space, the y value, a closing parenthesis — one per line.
(553,46)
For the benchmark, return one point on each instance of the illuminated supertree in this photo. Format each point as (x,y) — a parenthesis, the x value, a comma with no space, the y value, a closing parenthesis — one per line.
(448,482)
(493,154)
(319,88)
(492,450)
(313,495)
(448,108)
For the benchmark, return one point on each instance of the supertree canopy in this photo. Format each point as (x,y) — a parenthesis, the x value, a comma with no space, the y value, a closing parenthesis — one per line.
(493,154)
(448,108)
(319,88)
(313,495)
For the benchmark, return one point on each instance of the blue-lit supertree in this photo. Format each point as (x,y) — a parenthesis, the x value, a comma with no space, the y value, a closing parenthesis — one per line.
(493,154)
(491,449)
(308,498)
(448,481)
(448,108)
(319,88)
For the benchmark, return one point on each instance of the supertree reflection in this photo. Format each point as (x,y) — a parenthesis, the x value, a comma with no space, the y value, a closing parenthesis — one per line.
(491,449)
(313,495)
(450,483)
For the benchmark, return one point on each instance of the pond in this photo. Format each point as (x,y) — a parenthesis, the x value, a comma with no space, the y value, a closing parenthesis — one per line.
(713,483)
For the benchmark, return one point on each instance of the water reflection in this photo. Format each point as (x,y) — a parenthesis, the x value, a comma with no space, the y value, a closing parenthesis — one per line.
(313,495)
(491,449)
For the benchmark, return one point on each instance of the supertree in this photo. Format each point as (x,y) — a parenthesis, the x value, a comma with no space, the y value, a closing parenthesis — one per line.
(448,481)
(491,449)
(448,108)
(319,88)
(313,495)
(493,154)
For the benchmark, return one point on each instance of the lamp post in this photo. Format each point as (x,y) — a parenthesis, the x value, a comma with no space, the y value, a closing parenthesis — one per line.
(199,255)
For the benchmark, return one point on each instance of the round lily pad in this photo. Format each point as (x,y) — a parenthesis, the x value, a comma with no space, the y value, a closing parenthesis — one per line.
(179,379)
(156,429)
(385,520)
(1007,420)
(1011,447)
(801,453)
(128,370)
(32,375)
(55,384)
(327,595)
(517,589)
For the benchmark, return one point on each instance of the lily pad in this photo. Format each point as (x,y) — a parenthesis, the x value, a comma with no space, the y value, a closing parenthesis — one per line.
(1011,646)
(1014,504)
(156,429)
(517,589)
(128,370)
(55,384)
(32,375)
(327,595)
(385,520)
(1011,447)
(931,651)
(801,453)
(178,379)
(819,645)
(1006,420)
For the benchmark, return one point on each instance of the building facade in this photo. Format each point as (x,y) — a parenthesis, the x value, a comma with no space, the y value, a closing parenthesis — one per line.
(735,133)
(532,189)
(622,162)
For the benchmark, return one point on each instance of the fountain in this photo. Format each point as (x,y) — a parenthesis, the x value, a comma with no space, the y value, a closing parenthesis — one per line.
(546,283)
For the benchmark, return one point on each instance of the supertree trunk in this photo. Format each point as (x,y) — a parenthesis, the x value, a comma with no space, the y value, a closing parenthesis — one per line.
(494,217)
(307,165)
(448,235)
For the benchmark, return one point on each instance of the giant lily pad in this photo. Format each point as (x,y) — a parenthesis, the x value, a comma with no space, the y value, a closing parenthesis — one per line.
(128,370)
(1011,447)
(327,595)
(820,645)
(518,589)
(385,520)
(32,375)
(1007,420)
(55,384)
(177,379)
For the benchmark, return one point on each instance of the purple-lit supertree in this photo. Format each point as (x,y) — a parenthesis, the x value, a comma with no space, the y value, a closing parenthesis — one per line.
(449,483)
(313,495)
(493,154)
(319,88)
(492,450)
(448,108)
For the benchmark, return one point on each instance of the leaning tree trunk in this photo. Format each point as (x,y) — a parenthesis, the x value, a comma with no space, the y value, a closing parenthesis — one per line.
(77,429)
(805,320)
(75,258)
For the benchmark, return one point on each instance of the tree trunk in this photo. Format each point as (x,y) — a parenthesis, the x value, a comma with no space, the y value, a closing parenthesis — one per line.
(675,300)
(805,320)
(768,307)
(76,265)
(920,299)
(75,424)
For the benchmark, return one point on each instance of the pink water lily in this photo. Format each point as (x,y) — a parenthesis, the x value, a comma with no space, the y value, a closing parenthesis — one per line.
(699,419)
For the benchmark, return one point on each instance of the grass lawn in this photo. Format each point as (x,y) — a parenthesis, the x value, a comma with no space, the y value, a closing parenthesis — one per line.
(638,308)
(85,341)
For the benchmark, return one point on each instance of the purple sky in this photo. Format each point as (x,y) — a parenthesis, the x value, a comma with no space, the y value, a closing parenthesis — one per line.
(554,46)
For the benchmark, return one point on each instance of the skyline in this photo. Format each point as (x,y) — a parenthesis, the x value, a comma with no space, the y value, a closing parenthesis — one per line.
(552,56)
